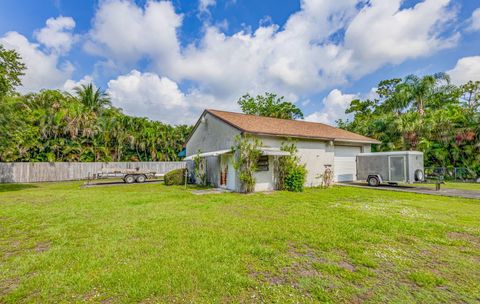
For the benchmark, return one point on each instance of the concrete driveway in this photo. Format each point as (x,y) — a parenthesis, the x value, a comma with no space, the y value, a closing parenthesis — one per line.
(422,190)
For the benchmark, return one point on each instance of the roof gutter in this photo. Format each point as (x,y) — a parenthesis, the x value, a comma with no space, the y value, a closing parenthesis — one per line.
(358,141)
(315,137)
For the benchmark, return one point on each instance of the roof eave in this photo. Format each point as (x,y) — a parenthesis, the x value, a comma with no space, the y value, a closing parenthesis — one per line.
(366,141)
(225,120)
(195,127)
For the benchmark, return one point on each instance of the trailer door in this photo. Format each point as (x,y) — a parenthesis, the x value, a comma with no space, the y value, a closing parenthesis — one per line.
(345,163)
(397,169)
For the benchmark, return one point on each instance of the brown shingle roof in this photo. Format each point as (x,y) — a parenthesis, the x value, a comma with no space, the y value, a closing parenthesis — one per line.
(285,127)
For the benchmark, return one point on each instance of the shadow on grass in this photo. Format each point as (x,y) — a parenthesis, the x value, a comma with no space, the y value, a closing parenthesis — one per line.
(15,187)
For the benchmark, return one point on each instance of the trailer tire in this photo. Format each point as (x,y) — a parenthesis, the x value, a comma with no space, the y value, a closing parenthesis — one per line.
(373,181)
(141,178)
(129,179)
(419,176)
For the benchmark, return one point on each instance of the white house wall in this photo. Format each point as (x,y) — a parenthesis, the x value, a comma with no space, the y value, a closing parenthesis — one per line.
(211,135)
(314,153)
(264,180)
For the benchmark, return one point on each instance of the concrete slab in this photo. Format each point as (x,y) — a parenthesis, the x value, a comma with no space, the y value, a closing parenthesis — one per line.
(210,191)
(421,190)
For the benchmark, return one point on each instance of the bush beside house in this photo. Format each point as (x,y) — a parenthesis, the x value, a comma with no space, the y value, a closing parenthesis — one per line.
(175,177)
(295,179)
(292,173)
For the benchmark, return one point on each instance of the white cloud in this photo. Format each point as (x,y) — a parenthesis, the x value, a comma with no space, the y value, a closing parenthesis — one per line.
(475,21)
(57,35)
(466,69)
(43,70)
(148,95)
(70,84)
(126,33)
(204,4)
(334,106)
(381,33)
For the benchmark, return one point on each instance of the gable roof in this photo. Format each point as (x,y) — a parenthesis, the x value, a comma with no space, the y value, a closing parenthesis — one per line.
(261,125)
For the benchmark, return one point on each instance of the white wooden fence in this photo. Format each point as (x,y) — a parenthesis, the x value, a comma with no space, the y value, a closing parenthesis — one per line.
(65,171)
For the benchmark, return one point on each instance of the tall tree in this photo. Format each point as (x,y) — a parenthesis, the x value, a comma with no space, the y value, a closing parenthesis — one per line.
(470,93)
(269,105)
(418,91)
(11,69)
(94,99)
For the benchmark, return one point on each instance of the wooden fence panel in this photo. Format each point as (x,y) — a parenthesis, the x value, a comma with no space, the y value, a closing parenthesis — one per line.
(65,171)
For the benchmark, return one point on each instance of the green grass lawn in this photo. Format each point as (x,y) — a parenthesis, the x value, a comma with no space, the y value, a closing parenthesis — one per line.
(151,243)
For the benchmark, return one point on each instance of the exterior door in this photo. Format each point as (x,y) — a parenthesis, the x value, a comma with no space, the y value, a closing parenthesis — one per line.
(227,172)
(397,168)
(345,163)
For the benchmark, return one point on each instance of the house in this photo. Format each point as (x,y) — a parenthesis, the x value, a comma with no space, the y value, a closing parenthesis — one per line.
(319,145)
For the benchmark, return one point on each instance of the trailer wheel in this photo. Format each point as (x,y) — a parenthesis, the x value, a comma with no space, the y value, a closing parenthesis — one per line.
(129,179)
(373,181)
(419,176)
(141,178)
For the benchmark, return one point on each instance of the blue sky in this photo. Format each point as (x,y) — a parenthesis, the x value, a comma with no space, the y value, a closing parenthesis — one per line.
(169,60)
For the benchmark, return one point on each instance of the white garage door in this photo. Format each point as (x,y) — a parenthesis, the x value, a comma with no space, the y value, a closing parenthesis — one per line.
(344,164)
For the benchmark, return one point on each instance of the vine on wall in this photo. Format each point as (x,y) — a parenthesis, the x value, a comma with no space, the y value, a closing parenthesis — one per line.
(200,169)
(247,150)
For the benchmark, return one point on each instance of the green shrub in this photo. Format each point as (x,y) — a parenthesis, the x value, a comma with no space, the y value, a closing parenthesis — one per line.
(291,172)
(175,177)
(295,178)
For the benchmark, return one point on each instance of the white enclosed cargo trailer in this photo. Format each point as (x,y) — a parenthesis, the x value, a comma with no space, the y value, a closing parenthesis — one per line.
(390,167)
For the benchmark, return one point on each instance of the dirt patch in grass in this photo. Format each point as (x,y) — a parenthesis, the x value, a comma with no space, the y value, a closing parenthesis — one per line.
(42,246)
(307,264)
(16,248)
(97,296)
(92,295)
(8,285)
(302,267)
(347,266)
(464,236)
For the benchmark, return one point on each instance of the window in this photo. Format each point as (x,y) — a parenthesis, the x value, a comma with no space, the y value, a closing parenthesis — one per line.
(262,163)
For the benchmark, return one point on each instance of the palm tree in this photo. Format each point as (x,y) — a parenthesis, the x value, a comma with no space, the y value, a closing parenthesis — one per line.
(417,91)
(93,99)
